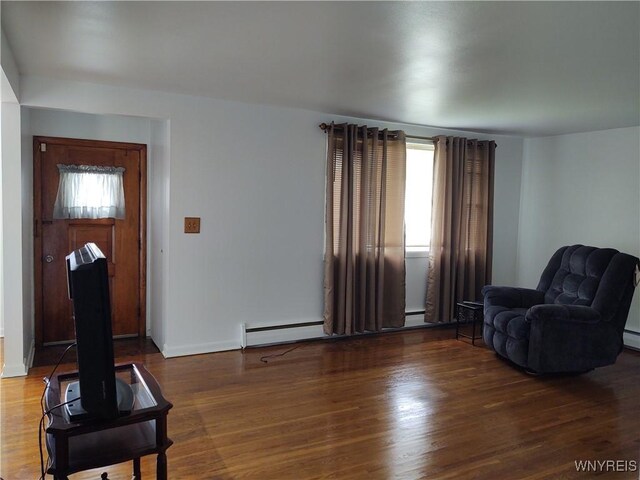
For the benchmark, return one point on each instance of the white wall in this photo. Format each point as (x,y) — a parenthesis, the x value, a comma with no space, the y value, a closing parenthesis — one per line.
(9,66)
(580,188)
(255,174)
(60,123)
(158,231)
(14,319)
(1,232)
(9,84)
(26,173)
(16,324)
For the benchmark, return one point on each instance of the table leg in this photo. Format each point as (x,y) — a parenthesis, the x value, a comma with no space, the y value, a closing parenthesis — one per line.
(161,442)
(473,334)
(161,466)
(61,452)
(136,469)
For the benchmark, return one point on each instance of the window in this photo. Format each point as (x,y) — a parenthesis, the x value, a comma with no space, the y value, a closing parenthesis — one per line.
(419,186)
(89,192)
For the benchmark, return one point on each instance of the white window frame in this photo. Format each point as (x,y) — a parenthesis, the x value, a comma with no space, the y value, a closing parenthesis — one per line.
(418,251)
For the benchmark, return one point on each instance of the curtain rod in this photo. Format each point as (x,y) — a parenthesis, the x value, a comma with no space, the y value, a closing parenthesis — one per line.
(323,126)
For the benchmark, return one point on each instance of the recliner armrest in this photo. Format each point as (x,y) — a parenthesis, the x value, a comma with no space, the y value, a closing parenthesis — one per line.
(578,314)
(565,338)
(511,297)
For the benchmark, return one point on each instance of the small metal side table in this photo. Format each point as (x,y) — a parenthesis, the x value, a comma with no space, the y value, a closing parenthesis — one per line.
(469,312)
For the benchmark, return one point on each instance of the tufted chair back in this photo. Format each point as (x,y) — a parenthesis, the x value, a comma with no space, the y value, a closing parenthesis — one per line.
(601,278)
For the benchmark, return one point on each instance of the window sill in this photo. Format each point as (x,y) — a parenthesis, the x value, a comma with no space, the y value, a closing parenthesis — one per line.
(416,252)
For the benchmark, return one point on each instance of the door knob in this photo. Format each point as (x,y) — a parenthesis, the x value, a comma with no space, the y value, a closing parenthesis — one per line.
(48,258)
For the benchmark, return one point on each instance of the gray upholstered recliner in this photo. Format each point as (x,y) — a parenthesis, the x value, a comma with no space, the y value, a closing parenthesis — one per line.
(573,321)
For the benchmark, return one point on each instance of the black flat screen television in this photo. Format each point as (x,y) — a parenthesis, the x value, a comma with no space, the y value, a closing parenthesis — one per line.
(102,395)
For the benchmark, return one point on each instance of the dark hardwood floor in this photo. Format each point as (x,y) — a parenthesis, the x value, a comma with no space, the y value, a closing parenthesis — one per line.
(409,405)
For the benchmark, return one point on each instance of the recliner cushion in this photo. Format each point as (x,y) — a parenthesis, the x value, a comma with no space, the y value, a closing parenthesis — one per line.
(509,332)
(576,281)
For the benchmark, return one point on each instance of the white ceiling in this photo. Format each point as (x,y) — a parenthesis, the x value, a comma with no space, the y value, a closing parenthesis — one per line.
(522,68)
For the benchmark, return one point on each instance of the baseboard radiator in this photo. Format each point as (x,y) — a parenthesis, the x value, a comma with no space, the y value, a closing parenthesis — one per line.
(254,334)
(632,339)
(269,333)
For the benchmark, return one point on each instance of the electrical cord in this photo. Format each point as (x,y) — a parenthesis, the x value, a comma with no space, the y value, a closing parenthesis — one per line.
(265,359)
(41,429)
(47,382)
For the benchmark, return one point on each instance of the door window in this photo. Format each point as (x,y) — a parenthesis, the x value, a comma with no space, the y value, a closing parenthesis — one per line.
(88,191)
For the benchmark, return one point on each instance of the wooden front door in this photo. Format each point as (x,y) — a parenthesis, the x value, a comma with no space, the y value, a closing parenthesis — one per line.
(121,241)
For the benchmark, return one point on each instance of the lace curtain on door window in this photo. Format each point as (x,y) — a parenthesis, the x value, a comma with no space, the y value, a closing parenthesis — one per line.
(89,192)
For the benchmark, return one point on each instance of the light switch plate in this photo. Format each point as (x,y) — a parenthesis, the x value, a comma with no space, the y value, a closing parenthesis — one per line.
(191,224)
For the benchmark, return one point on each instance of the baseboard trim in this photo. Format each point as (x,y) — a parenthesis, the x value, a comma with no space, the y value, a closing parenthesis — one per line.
(17,370)
(274,333)
(20,370)
(631,339)
(32,353)
(198,349)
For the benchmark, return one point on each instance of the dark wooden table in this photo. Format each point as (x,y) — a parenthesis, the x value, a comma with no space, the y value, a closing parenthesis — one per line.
(78,446)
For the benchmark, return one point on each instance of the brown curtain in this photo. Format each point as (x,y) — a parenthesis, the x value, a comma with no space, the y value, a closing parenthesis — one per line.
(461,226)
(364,273)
